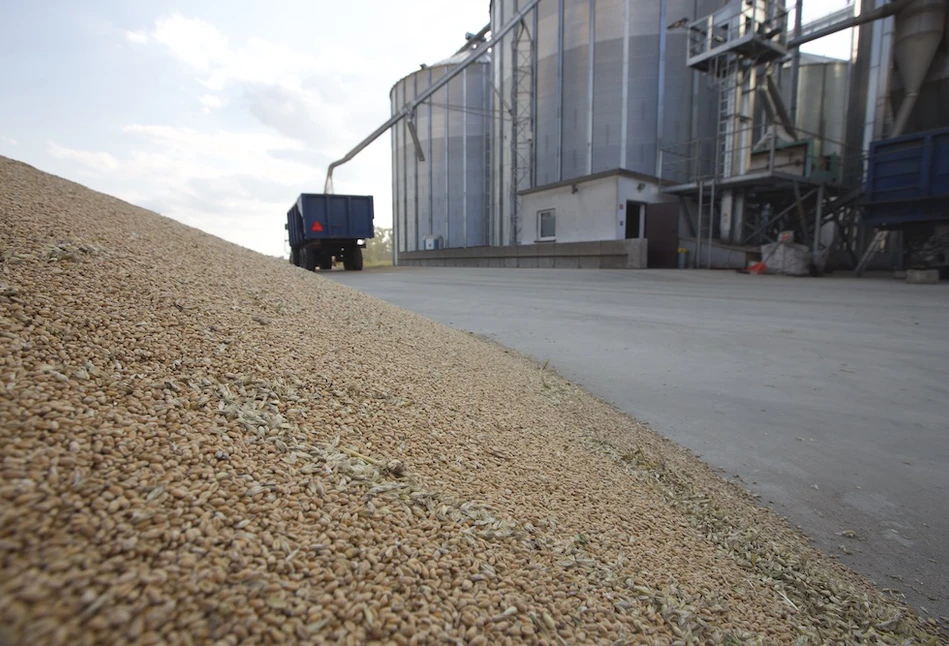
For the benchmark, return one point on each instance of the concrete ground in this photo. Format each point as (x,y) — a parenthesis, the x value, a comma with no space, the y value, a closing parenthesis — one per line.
(828,397)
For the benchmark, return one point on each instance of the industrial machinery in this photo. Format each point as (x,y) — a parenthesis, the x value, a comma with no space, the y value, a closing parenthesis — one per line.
(783,161)
(323,228)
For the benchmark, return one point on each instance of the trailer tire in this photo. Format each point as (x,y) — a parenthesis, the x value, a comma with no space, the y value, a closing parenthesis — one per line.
(352,261)
(326,262)
(295,257)
(308,258)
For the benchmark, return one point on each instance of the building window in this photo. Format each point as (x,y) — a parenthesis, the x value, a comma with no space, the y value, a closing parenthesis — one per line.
(546,225)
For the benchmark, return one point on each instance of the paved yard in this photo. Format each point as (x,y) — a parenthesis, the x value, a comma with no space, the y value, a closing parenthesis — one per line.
(828,397)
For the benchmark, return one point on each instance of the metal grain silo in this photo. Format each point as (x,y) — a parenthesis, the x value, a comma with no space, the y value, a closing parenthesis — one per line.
(610,89)
(446,194)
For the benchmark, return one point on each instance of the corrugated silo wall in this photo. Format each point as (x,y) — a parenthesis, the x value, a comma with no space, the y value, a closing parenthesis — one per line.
(822,95)
(582,122)
(445,194)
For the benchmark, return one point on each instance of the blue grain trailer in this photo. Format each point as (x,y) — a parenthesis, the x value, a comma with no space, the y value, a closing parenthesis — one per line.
(907,190)
(324,228)
(908,180)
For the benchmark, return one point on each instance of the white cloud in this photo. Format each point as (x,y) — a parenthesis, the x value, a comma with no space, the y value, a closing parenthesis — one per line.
(238,185)
(234,185)
(96,161)
(297,94)
(211,102)
(139,37)
(200,154)
(202,47)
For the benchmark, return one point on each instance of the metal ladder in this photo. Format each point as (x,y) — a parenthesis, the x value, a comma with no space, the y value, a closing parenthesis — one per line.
(488,125)
(875,245)
(725,72)
(705,227)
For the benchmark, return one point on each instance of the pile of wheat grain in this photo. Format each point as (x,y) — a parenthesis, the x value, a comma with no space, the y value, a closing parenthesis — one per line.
(201,444)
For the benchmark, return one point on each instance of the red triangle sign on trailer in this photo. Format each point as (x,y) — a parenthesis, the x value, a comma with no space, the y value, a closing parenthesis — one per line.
(316,227)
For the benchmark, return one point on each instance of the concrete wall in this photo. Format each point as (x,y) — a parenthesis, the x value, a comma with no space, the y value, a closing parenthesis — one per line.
(723,256)
(585,215)
(596,211)
(628,188)
(604,254)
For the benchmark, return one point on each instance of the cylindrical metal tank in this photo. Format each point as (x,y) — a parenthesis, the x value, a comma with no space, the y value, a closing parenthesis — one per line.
(822,95)
(920,91)
(918,34)
(446,194)
(878,88)
(611,89)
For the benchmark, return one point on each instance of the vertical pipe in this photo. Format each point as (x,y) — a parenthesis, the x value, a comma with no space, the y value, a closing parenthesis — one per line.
(487,125)
(393,98)
(694,120)
(493,149)
(515,133)
(873,77)
(661,89)
(533,173)
(590,57)
(796,64)
(711,223)
(882,111)
(822,126)
(745,102)
(431,168)
(405,182)
(415,161)
(447,121)
(818,215)
(503,168)
(698,231)
(624,125)
(846,151)
(560,90)
(464,158)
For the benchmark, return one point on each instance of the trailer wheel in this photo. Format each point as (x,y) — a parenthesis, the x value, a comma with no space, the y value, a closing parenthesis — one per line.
(352,261)
(308,258)
(326,261)
(295,257)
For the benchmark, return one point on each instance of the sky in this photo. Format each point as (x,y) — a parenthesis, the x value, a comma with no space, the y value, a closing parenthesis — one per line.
(217,113)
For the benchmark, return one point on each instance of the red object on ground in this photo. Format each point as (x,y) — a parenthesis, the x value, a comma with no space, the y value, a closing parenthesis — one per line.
(757,268)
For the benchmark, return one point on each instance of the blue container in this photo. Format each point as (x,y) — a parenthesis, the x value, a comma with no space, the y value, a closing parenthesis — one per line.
(317,216)
(908,179)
